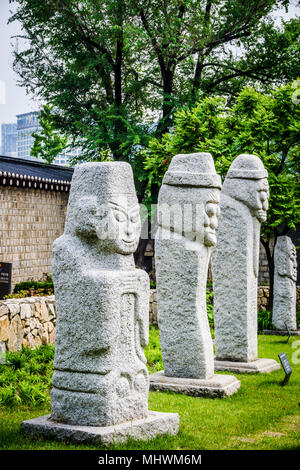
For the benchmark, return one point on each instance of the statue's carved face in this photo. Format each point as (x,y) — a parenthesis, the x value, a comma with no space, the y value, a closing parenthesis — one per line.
(287,263)
(125,225)
(116,224)
(211,215)
(194,216)
(262,196)
(293,264)
(253,193)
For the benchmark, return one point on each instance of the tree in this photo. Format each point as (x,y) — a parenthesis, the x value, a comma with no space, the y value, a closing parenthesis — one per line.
(115,71)
(48,143)
(267,125)
(109,68)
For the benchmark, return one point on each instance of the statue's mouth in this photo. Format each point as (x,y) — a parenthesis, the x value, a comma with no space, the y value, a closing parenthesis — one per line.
(128,242)
(261,214)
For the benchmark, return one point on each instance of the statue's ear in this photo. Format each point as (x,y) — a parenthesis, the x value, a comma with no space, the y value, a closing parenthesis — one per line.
(85,216)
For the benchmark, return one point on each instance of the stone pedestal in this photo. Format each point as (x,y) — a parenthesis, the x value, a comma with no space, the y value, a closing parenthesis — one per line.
(155,424)
(252,367)
(281,332)
(217,386)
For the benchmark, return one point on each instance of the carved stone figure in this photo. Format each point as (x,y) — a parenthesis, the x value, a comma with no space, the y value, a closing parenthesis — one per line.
(187,219)
(100,380)
(102,301)
(285,277)
(244,204)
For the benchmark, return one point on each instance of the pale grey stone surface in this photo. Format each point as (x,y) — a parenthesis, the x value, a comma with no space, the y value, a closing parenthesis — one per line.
(102,302)
(188,209)
(285,277)
(281,332)
(254,367)
(243,203)
(218,386)
(155,424)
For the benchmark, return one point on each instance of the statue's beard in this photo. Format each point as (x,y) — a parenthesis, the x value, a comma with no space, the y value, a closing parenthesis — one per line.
(261,215)
(210,238)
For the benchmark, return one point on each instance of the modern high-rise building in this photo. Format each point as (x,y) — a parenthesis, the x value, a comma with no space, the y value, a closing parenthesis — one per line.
(9,140)
(27,124)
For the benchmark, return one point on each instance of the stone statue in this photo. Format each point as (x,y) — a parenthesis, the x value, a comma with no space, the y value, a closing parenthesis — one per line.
(100,380)
(244,204)
(285,277)
(187,219)
(102,302)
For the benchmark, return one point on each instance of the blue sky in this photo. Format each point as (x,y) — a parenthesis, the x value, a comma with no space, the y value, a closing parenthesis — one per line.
(16,101)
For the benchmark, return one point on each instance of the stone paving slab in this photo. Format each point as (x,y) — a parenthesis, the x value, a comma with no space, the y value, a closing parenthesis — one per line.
(219,386)
(156,424)
(254,367)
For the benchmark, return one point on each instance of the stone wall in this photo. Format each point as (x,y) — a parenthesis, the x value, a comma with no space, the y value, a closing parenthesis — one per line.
(31,321)
(30,220)
(153,307)
(263,275)
(263,297)
(28,322)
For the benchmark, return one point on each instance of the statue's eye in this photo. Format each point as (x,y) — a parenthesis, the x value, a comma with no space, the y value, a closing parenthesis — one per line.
(134,217)
(119,216)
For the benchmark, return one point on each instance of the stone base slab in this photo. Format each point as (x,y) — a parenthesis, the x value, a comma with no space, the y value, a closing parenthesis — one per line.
(281,332)
(219,386)
(254,367)
(156,424)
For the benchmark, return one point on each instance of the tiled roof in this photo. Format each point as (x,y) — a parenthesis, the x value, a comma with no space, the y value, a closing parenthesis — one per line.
(36,175)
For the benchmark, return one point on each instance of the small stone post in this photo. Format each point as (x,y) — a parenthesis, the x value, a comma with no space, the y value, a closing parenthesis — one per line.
(285,277)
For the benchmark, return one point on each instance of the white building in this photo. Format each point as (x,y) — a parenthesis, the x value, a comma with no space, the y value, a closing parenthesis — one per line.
(9,139)
(27,124)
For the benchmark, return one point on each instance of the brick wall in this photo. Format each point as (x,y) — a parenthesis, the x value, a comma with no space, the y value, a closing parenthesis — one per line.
(30,220)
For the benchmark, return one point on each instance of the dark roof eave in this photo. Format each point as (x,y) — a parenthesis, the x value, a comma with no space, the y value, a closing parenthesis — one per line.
(26,173)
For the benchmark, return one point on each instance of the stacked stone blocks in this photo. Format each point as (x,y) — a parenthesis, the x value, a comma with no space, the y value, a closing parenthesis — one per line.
(28,322)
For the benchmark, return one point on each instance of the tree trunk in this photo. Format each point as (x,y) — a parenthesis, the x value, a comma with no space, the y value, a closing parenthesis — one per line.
(167,108)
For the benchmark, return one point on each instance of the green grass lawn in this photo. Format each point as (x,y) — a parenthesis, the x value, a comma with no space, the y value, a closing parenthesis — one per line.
(261,415)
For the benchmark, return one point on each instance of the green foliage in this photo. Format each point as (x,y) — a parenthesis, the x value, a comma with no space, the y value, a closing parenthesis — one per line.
(25,378)
(258,123)
(33,288)
(20,295)
(111,69)
(153,351)
(33,285)
(210,307)
(48,143)
(261,415)
(264,320)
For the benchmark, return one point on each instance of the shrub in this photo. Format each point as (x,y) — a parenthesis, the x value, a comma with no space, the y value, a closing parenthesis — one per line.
(26,376)
(264,320)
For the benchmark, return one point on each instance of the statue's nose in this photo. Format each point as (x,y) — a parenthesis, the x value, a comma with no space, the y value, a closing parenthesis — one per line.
(129,229)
